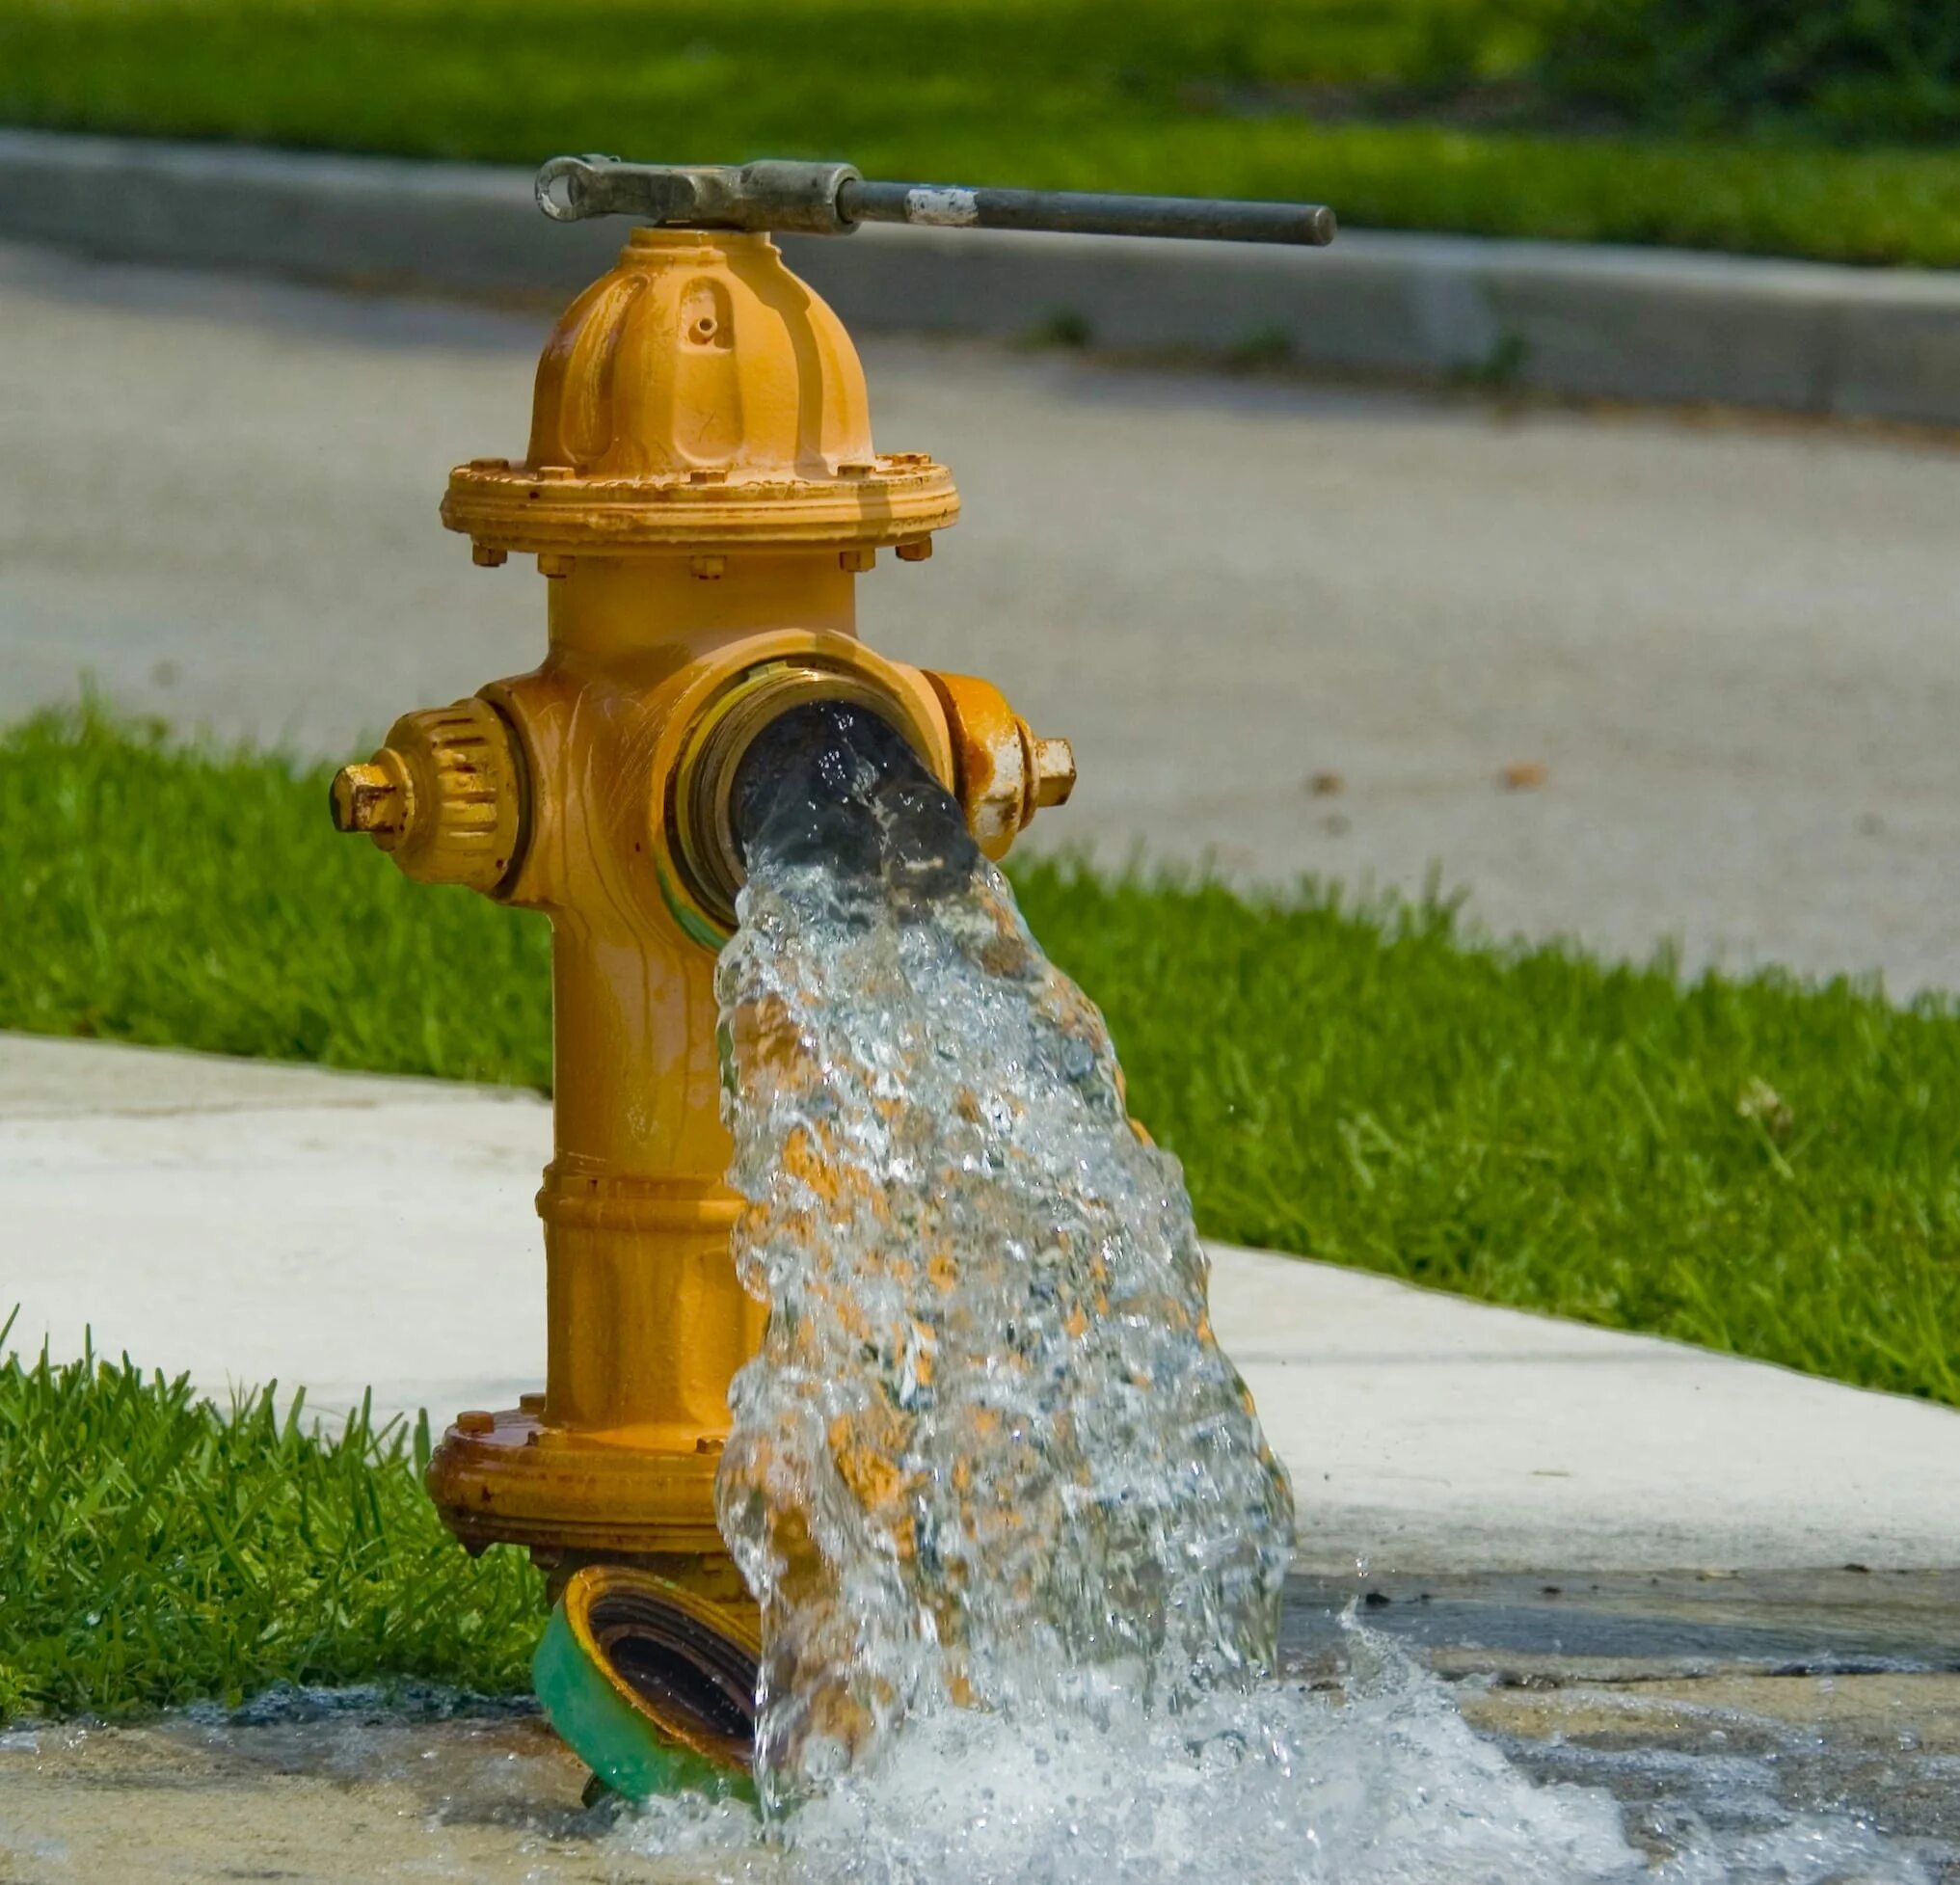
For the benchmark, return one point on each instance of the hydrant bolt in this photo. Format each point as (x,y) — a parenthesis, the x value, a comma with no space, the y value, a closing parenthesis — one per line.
(1054,772)
(366,798)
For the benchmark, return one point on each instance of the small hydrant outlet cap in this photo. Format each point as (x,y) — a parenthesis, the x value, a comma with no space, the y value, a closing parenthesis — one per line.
(1005,773)
(444,796)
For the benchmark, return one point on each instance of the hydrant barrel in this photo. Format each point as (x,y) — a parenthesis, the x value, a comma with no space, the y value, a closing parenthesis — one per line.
(702,493)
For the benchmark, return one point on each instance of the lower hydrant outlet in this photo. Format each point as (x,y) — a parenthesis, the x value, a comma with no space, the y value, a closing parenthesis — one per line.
(651,1686)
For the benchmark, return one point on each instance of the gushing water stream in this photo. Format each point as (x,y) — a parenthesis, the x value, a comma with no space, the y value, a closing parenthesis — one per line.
(1016,1535)
(990,1456)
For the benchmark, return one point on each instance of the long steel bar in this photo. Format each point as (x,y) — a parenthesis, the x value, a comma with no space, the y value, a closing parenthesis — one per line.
(833,199)
(1201,219)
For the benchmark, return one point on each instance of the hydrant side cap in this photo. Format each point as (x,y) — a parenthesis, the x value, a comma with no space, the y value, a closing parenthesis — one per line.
(699,396)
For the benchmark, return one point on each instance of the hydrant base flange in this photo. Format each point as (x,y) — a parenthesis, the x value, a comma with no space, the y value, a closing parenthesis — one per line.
(569,1488)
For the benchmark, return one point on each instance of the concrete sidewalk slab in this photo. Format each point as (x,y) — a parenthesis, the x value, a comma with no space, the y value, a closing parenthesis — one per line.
(245,1222)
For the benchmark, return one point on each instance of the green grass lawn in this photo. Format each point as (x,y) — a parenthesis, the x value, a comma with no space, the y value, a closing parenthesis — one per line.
(1759,1166)
(1401,113)
(153,1551)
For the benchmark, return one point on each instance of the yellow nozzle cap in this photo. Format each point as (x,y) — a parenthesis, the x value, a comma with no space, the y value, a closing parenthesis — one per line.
(444,797)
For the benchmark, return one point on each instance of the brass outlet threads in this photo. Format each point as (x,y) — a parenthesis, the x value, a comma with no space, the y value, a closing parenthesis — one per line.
(700,809)
(444,797)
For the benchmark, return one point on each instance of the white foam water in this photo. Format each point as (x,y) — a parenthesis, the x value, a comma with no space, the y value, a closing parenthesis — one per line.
(1016,1536)
(1381,1783)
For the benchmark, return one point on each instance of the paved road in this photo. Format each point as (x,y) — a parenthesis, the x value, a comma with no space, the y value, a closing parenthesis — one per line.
(1732,649)
(1423,1432)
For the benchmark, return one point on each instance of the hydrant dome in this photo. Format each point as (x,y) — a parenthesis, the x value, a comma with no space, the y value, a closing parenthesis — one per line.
(699,396)
(700,356)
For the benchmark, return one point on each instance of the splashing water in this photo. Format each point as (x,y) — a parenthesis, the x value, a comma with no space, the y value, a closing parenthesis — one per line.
(989,1455)
(1017,1539)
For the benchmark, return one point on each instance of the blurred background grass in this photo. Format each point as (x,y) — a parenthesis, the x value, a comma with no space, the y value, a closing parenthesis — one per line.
(1826,130)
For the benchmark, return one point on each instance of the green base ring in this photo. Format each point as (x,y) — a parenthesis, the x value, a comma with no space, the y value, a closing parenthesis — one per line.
(611,1736)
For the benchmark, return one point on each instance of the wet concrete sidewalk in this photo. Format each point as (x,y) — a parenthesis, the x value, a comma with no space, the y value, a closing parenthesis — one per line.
(248,1222)
(1729,648)
(1736,1704)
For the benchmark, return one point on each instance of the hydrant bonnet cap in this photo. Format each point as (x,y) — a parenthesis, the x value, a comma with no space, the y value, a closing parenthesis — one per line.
(698,397)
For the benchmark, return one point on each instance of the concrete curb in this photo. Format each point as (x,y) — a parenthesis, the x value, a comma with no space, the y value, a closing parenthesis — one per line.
(1649,324)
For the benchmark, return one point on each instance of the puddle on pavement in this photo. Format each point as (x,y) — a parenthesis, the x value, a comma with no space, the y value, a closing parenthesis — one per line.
(1728,1704)
(1692,1622)
(1732,1702)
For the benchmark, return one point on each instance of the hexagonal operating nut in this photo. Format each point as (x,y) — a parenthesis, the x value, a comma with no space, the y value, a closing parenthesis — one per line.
(1053,763)
(368,797)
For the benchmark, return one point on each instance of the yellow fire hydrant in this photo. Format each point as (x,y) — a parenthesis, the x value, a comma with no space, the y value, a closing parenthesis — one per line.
(702,493)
